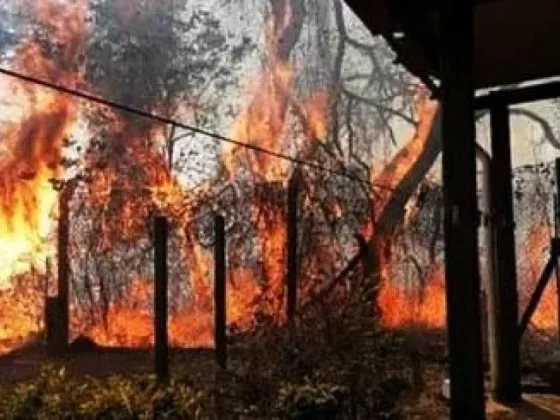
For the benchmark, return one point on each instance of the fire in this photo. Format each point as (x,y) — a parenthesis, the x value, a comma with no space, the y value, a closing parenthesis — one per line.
(33,141)
(537,243)
(399,306)
(262,124)
(38,123)
(251,290)
(21,310)
(272,239)
(421,306)
(130,180)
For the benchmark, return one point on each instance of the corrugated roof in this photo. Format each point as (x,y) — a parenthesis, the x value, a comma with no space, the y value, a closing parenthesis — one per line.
(515,40)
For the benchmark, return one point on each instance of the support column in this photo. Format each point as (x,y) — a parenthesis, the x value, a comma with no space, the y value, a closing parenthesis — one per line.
(488,284)
(461,213)
(160,298)
(220,315)
(506,380)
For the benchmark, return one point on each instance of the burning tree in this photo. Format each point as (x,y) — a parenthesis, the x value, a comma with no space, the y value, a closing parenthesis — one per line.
(117,170)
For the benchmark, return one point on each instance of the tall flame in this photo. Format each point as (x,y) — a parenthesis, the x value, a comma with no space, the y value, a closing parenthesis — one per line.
(30,156)
(131,179)
(397,304)
(33,140)
(424,306)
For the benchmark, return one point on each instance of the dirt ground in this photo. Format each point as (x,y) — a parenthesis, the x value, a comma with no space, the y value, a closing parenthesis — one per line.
(26,363)
(430,405)
(534,406)
(425,402)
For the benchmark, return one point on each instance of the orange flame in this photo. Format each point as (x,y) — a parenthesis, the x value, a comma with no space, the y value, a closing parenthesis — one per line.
(538,242)
(30,155)
(398,305)
(422,306)
(132,179)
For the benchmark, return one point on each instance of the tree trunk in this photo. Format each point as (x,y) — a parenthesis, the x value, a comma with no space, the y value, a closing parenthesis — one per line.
(396,183)
(407,169)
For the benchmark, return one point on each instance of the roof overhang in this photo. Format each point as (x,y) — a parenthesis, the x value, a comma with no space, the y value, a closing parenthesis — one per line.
(516,41)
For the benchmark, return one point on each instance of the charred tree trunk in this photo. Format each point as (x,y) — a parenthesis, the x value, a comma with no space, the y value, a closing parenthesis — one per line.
(396,183)
(403,183)
(54,326)
(371,260)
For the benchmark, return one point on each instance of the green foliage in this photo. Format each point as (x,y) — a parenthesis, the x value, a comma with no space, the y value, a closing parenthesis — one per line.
(311,400)
(292,385)
(54,395)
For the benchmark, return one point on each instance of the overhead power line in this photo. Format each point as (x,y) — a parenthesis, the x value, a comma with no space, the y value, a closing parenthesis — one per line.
(166,120)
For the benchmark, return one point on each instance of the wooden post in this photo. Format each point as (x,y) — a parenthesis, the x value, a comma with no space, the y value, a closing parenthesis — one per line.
(54,326)
(506,383)
(220,315)
(461,213)
(63,272)
(160,297)
(292,263)
(489,285)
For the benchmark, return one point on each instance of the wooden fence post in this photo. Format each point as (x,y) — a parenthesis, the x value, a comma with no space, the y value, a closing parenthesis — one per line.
(59,314)
(160,298)
(292,263)
(220,319)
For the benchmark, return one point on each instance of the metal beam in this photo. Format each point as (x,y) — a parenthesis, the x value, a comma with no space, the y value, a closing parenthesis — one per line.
(506,378)
(520,95)
(433,5)
(461,212)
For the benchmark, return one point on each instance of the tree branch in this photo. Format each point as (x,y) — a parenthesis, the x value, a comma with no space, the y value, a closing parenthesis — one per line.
(380,107)
(548,132)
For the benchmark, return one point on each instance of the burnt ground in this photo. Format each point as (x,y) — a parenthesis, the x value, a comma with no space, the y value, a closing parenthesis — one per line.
(26,362)
(541,372)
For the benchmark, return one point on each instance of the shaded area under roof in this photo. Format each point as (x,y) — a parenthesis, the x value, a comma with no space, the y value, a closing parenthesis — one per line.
(515,40)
